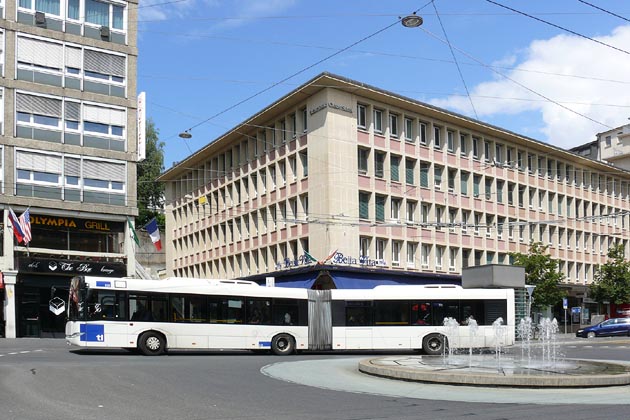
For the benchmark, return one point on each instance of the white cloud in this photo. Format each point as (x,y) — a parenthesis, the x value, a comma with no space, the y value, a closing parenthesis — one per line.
(568,55)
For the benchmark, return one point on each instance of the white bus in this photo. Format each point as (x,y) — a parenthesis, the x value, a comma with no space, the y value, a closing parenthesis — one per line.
(181,313)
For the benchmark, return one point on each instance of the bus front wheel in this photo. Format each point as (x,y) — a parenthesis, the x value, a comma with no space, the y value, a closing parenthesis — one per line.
(282,344)
(152,343)
(434,344)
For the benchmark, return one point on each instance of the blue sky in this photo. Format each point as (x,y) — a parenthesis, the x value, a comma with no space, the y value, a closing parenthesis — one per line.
(199,57)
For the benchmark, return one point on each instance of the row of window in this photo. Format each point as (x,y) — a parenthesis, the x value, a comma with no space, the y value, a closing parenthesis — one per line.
(436,175)
(266,139)
(70,66)
(62,120)
(69,177)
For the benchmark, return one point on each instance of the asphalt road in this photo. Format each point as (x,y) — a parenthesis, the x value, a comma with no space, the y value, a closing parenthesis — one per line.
(45,379)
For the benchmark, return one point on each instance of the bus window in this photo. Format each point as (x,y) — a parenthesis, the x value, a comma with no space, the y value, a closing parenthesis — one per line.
(445,309)
(190,308)
(391,313)
(421,313)
(358,313)
(139,308)
(472,308)
(285,312)
(495,309)
(226,310)
(159,308)
(259,311)
(105,305)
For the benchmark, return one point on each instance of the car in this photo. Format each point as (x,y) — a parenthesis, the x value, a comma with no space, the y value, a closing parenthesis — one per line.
(610,328)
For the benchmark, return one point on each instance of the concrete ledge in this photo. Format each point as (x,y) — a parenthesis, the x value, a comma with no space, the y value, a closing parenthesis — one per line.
(617,375)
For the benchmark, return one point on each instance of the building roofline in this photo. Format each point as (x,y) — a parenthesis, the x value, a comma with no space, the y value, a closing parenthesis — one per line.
(363,89)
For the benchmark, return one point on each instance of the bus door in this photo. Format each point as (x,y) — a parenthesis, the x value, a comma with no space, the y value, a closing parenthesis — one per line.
(319,320)
(107,316)
(359,324)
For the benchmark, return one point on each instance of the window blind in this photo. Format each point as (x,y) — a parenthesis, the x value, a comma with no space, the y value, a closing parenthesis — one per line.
(39,105)
(38,162)
(108,171)
(100,62)
(102,115)
(41,53)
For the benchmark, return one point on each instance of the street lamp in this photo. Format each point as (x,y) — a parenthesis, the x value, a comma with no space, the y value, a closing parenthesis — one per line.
(185,134)
(412,21)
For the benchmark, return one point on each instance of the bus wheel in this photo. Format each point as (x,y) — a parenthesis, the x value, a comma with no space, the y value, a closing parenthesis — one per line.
(434,344)
(152,343)
(282,344)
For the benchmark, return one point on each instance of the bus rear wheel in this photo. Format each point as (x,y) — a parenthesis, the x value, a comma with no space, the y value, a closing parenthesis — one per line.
(434,344)
(152,343)
(283,344)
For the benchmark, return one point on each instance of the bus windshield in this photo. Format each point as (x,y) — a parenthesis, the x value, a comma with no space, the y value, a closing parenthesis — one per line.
(75,299)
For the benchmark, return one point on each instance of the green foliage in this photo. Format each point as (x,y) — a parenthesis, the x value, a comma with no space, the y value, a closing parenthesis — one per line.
(151,192)
(612,280)
(541,271)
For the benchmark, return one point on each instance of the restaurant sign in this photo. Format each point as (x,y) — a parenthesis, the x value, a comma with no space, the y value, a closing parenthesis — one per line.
(71,267)
(73,223)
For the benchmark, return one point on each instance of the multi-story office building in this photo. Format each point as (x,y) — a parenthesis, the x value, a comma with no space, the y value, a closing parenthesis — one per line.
(612,146)
(68,151)
(393,185)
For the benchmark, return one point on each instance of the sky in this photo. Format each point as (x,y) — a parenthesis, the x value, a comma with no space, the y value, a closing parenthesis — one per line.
(556,71)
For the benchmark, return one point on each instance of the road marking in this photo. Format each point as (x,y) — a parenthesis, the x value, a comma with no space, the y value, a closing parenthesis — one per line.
(25,351)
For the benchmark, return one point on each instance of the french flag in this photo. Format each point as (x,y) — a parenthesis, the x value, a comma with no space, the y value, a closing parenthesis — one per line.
(154,233)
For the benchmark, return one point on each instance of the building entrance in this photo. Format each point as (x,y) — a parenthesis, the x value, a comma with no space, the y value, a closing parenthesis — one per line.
(41,311)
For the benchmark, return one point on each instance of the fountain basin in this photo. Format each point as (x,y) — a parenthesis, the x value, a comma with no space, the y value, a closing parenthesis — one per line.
(482,370)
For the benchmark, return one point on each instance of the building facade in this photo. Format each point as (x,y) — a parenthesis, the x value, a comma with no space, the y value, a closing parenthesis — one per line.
(68,147)
(352,175)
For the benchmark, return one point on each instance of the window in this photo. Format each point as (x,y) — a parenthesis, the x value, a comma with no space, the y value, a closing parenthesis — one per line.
(52,7)
(486,151)
(393,125)
(437,177)
(380,249)
(363,155)
(424,174)
(364,205)
(411,254)
(439,257)
(380,208)
(364,247)
(452,173)
(396,247)
(304,120)
(488,185)
(500,185)
(395,207)
(465,217)
(476,184)
(475,147)
(423,133)
(304,159)
(379,164)
(411,210)
(426,209)
(463,149)
(378,121)
(38,111)
(409,130)
(452,259)
(464,182)
(450,141)
(104,14)
(425,253)
(410,168)
(437,141)
(361,116)
(394,167)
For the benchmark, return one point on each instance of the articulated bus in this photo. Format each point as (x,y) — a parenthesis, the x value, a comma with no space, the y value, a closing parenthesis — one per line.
(153,316)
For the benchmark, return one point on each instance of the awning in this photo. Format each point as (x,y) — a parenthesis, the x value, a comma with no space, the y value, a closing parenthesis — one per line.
(354,280)
(304,280)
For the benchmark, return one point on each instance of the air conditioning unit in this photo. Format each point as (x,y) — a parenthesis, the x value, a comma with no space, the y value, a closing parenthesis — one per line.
(40,19)
(105,32)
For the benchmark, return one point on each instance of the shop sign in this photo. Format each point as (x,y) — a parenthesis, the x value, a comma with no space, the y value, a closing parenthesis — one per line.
(73,223)
(71,267)
(57,305)
(289,263)
(330,105)
(341,259)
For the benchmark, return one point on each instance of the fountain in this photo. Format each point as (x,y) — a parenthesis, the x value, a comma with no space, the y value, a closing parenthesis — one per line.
(530,370)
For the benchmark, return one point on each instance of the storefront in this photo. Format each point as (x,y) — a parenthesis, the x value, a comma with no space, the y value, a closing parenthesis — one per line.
(41,292)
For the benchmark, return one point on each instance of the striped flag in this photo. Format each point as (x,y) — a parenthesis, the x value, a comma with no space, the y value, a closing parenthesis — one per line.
(154,233)
(25,224)
(17,229)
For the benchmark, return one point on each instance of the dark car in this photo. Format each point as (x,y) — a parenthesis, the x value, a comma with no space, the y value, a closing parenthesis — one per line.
(609,328)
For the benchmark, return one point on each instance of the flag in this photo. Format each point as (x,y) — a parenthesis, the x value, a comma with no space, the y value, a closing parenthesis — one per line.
(332,254)
(17,229)
(25,224)
(154,233)
(309,257)
(132,232)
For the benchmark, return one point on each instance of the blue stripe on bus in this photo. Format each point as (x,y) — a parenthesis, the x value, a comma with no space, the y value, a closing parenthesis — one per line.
(92,332)
(264,344)
(103,284)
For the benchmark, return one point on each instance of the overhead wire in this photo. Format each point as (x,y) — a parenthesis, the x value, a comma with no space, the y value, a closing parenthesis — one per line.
(459,70)
(604,10)
(560,27)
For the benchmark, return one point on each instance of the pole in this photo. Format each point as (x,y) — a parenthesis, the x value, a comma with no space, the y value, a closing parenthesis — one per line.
(565,320)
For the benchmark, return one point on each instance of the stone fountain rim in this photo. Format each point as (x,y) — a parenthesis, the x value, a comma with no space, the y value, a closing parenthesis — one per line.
(433,376)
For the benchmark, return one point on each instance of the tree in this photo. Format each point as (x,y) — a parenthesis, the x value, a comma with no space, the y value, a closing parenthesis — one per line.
(151,192)
(612,280)
(541,271)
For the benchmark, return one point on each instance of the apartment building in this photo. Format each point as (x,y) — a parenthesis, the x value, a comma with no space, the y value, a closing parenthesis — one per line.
(68,147)
(384,186)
